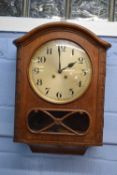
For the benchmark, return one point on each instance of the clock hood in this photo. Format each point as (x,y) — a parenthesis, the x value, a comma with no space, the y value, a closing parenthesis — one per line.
(56,26)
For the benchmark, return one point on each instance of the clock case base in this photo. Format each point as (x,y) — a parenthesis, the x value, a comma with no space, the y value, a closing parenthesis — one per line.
(59,149)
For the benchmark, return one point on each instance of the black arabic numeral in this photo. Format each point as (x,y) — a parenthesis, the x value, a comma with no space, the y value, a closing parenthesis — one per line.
(58,95)
(84,72)
(49,51)
(80,83)
(63,48)
(80,60)
(36,70)
(72,51)
(39,82)
(71,92)
(41,59)
(47,90)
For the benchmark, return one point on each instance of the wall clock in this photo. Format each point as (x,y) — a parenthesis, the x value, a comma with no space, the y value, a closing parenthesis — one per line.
(60,88)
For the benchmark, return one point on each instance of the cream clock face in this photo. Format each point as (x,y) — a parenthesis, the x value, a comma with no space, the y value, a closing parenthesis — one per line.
(60,71)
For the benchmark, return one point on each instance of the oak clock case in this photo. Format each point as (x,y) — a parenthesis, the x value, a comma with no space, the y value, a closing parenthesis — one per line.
(60,88)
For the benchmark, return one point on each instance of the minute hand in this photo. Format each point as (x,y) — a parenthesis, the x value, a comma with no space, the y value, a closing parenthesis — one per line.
(69,66)
(59,53)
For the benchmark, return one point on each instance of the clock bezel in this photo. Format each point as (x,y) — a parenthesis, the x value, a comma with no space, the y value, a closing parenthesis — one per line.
(48,99)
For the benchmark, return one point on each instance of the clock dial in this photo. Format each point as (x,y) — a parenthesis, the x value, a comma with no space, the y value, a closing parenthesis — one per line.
(60,71)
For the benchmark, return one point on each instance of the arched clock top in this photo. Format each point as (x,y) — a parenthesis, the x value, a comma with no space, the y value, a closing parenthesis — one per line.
(60,26)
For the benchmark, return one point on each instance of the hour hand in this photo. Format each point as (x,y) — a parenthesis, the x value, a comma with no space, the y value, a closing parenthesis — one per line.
(69,65)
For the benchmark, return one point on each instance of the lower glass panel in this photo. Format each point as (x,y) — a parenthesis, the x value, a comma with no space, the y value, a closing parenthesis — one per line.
(62,122)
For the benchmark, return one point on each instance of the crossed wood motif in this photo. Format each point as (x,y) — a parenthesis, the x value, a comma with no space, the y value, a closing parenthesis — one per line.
(58,121)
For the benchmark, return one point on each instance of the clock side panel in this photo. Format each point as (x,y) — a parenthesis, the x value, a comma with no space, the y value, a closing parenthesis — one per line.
(100,94)
(19,95)
(27,100)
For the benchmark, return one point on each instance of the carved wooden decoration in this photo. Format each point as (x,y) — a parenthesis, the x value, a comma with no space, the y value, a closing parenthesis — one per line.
(60,88)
